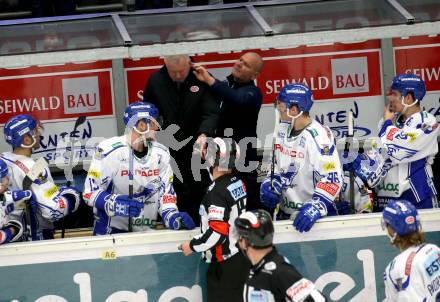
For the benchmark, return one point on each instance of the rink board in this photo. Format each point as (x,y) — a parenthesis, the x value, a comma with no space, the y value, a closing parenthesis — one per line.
(345,257)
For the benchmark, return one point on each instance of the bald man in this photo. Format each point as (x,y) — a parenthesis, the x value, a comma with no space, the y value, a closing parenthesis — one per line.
(241,102)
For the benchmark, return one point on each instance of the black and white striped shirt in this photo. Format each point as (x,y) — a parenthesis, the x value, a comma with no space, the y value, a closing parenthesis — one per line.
(222,204)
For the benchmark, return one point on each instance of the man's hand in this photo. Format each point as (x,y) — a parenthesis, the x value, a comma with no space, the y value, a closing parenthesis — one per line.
(202,74)
(186,250)
(387,113)
(200,145)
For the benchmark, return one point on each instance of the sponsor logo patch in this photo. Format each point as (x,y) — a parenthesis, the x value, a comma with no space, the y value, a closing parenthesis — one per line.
(329,166)
(237,190)
(52,191)
(216,213)
(94,174)
(300,290)
(432,265)
(330,188)
(390,135)
(194,89)
(168,198)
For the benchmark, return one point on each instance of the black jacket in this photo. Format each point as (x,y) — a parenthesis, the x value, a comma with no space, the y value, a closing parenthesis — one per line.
(241,104)
(277,280)
(192,107)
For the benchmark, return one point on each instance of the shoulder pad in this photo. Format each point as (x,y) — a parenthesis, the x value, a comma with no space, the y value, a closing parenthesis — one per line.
(423,120)
(159,146)
(321,137)
(108,146)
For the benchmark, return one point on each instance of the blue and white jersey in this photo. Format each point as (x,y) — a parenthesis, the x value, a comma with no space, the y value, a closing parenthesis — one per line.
(411,148)
(309,167)
(414,275)
(51,206)
(152,184)
(363,200)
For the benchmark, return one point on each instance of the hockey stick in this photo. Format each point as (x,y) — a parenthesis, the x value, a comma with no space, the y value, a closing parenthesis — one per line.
(130,186)
(272,168)
(31,175)
(68,173)
(348,142)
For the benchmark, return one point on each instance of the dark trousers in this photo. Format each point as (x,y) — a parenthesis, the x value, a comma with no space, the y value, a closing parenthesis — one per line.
(226,279)
(189,191)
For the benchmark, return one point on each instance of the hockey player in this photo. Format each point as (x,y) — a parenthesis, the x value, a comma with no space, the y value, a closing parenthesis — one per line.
(10,230)
(307,175)
(222,204)
(50,202)
(409,138)
(271,277)
(106,187)
(413,275)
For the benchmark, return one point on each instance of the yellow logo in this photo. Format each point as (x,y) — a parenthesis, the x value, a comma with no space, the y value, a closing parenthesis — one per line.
(94,174)
(412,136)
(329,166)
(49,193)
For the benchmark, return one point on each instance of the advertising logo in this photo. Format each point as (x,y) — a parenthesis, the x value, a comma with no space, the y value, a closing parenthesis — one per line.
(81,95)
(350,75)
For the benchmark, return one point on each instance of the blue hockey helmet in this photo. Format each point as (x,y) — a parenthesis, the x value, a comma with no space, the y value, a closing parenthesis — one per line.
(138,111)
(18,127)
(3,169)
(296,94)
(402,216)
(405,83)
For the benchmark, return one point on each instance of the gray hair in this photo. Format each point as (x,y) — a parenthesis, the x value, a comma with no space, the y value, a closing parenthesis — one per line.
(176,59)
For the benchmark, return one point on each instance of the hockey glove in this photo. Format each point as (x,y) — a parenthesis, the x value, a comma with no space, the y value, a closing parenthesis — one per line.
(343,207)
(270,191)
(5,235)
(11,236)
(71,195)
(16,200)
(362,170)
(347,160)
(122,205)
(308,214)
(180,220)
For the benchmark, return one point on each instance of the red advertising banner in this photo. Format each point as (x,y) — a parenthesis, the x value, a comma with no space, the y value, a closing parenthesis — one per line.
(57,93)
(420,56)
(332,71)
